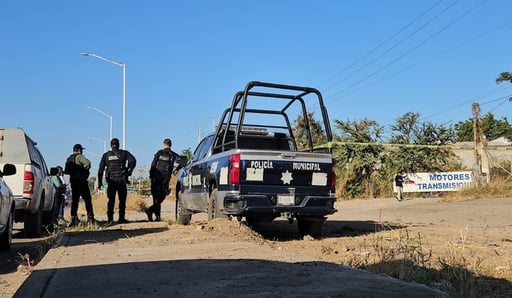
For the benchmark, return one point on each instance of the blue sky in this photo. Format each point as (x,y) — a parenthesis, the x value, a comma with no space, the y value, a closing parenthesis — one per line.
(370,59)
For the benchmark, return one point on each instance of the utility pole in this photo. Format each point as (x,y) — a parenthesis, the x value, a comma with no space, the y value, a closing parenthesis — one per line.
(213,122)
(482,163)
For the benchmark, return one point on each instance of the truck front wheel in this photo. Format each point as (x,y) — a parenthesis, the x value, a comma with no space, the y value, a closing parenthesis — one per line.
(182,216)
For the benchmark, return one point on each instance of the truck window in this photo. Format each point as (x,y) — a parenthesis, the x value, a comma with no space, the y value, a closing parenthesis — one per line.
(206,148)
(35,156)
(203,148)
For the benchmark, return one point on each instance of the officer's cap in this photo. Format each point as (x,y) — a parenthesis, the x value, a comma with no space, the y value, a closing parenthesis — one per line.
(78,147)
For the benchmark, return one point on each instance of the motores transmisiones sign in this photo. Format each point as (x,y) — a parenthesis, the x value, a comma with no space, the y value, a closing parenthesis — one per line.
(434,182)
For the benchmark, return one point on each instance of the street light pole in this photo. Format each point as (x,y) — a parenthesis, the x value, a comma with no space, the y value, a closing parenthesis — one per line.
(101,141)
(123,65)
(106,115)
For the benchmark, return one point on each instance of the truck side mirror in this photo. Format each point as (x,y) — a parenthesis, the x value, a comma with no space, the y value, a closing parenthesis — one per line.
(182,160)
(8,170)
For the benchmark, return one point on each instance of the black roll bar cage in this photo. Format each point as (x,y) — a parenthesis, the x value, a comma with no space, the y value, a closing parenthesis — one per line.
(239,105)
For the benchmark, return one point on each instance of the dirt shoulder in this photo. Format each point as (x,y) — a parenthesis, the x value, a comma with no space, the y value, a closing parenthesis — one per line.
(224,258)
(217,259)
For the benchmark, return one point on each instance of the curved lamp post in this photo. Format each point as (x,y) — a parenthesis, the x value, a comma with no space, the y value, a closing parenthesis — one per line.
(106,115)
(101,141)
(123,65)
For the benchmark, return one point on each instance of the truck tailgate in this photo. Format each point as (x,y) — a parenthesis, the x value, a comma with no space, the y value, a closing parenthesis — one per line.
(290,169)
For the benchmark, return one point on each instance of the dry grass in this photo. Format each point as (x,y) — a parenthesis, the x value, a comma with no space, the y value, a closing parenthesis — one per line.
(134,202)
(499,188)
(32,256)
(459,270)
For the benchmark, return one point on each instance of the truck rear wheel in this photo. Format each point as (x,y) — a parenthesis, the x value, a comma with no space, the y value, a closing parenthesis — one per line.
(6,236)
(182,216)
(33,222)
(312,228)
(214,207)
(50,217)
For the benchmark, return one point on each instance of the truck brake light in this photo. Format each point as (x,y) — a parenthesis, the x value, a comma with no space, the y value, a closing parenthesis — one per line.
(234,168)
(28,182)
(333,174)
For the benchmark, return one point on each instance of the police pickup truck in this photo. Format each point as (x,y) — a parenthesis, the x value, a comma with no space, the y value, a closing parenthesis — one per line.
(251,167)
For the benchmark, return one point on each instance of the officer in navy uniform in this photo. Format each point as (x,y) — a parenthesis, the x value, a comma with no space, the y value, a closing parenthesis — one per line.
(160,174)
(119,166)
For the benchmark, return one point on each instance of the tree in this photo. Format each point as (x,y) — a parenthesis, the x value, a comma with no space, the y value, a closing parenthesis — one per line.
(358,155)
(464,131)
(404,128)
(317,132)
(504,76)
(187,152)
(493,128)
(419,151)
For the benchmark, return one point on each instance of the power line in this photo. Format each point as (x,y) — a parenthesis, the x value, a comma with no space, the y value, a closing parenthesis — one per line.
(380,45)
(495,90)
(436,55)
(396,44)
(412,49)
(500,104)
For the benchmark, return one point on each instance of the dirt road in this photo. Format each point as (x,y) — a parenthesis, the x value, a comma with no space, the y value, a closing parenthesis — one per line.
(223,258)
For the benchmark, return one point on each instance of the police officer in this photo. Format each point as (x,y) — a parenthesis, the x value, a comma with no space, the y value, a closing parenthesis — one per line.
(160,174)
(77,167)
(119,166)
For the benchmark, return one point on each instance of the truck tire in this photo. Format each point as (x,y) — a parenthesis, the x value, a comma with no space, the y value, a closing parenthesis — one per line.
(252,221)
(6,236)
(309,227)
(214,207)
(182,216)
(50,216)
(33,222)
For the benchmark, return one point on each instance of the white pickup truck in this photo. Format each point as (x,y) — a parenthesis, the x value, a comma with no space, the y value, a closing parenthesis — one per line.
(31,185)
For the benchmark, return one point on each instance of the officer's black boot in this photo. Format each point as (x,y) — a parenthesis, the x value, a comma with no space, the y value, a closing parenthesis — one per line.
(149,213)
(157,211)
(122,219)
(90,219)
(74,221)
(110,219)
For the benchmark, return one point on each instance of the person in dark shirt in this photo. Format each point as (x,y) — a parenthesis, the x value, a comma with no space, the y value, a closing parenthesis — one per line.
(399,184)
(60,192)
(160,175)
(118,166)
(77,167)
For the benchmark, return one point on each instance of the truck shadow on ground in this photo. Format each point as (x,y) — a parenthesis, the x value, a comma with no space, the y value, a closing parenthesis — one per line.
(281,230)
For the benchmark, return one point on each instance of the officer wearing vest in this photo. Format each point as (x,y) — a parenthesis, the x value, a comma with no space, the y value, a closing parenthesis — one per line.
(160,174)
(77,167)
(118,165)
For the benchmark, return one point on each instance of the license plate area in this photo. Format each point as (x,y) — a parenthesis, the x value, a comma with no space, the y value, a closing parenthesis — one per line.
(286,199)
